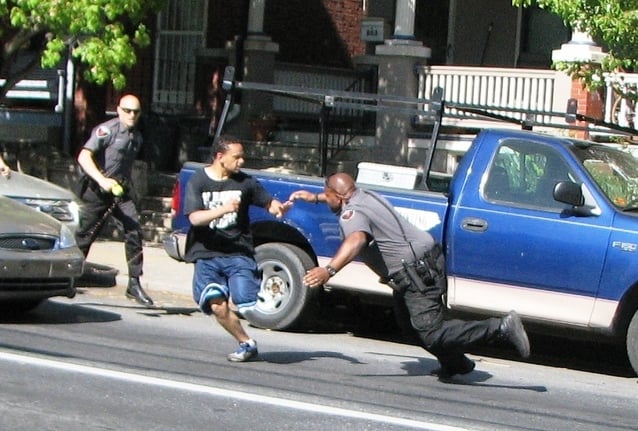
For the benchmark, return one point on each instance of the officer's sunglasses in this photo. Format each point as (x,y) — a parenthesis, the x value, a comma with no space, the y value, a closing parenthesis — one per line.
(129,110)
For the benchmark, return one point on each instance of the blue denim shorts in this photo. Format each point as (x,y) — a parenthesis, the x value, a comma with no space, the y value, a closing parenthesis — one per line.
(224,276)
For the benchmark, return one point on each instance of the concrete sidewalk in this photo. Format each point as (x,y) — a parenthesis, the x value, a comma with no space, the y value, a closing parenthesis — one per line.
(161,273)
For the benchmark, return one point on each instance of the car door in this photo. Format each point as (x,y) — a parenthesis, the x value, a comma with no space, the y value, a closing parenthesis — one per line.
(512,246)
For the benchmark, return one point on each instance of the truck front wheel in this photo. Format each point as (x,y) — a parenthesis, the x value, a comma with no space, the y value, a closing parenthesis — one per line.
(283,298)
(632,342)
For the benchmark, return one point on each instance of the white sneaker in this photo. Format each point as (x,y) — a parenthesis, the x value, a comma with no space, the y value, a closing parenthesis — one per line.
(245,352)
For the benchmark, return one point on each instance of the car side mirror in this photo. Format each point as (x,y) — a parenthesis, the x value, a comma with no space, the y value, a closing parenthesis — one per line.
(569,193)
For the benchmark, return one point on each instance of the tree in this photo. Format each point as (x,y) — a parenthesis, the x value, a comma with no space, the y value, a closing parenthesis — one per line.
(611,23)
(101,34)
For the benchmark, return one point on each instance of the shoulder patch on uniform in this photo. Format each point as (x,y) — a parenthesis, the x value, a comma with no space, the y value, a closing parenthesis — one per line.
(347,215)
(102,132)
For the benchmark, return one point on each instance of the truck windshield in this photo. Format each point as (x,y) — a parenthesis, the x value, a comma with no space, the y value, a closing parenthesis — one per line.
(614,170)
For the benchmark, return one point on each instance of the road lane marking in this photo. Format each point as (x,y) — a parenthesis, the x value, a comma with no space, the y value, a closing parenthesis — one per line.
(226,393)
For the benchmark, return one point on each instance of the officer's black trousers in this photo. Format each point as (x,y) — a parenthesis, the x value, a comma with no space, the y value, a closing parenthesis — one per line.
(448,340)
(95,212)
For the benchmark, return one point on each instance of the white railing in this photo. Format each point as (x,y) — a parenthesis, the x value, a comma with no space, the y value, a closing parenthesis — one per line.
(518,89)
(509,88)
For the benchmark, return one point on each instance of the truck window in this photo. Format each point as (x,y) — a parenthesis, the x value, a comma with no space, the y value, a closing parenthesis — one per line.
(526,175)
(614,171)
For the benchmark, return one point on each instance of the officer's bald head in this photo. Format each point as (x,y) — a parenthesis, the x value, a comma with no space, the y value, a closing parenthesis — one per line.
(128,110)
(342,183)
(130,101)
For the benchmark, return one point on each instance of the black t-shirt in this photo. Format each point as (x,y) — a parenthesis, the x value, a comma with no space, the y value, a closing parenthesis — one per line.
(229,234)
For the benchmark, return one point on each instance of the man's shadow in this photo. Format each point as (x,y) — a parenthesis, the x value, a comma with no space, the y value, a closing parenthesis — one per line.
(284,358)
(477,377)
(97,275)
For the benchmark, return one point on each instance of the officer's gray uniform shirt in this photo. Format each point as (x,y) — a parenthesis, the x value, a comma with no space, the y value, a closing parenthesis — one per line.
(115,148)
(368,212)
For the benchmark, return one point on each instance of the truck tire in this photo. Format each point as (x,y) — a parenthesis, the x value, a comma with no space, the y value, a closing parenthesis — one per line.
(632,342)
(283,297)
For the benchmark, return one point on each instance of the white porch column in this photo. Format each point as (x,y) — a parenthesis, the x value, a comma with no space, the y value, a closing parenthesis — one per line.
(258,65)
(403,42)
(404,19)
(396,59)
(256,11)
(582,49)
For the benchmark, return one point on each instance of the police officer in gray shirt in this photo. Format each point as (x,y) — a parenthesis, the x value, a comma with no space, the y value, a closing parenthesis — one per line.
(107,162)
(410,261)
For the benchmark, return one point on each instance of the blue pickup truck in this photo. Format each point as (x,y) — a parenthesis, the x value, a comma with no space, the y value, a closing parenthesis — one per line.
(545,225)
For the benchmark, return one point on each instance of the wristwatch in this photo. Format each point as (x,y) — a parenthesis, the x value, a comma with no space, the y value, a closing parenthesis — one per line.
(331,271)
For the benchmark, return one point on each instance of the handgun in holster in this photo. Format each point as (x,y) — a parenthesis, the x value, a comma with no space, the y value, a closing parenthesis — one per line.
(428,273)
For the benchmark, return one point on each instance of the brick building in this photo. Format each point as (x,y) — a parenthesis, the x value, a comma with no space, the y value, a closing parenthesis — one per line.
(195,39)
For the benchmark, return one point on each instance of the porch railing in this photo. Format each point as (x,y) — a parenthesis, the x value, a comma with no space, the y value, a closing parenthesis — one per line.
(518,89)
(509,88)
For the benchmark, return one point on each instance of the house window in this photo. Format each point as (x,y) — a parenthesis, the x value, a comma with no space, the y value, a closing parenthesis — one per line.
(181,32)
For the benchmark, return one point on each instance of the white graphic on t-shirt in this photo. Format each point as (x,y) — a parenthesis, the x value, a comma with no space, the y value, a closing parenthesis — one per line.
(216,199)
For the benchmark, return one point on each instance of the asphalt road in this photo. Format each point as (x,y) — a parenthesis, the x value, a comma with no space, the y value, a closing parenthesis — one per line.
(169,283)
(98,361)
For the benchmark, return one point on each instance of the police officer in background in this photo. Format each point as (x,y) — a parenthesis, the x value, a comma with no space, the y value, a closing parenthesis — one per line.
(107,161)
(410,261)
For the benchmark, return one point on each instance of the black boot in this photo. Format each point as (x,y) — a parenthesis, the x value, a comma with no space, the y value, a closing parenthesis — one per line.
(463,366)
(135,291)
(511,330)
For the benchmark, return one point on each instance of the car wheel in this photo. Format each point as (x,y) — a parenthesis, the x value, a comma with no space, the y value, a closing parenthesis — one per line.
(283,298)
(632,342)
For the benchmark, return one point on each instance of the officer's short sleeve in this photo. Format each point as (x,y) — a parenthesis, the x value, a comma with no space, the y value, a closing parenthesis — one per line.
(99,135)
(352,220)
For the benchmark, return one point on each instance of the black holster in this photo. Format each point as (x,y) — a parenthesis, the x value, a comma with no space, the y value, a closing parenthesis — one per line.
(431,267)
(426,275)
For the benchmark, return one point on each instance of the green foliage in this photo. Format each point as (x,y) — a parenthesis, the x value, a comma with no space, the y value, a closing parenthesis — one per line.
(524,169)
(620,191)
(612,23)
(103,34)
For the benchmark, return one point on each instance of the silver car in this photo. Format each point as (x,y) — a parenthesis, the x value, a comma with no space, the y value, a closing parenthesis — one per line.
(44,196)
(39,257)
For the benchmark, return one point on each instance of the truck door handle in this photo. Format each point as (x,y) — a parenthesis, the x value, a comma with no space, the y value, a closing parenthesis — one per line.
(474,224)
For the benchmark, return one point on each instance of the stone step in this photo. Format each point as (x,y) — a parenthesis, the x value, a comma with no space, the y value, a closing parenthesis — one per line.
(294,156)
(161,183)
(155,203)
(155,218)
(154,235)
(149,218)
(299,152)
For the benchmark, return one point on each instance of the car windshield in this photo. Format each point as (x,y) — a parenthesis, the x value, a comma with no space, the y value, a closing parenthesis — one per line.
(614,170)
